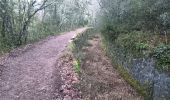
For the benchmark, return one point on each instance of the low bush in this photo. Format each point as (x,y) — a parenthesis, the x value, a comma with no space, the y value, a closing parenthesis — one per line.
(134,43)
(162,55)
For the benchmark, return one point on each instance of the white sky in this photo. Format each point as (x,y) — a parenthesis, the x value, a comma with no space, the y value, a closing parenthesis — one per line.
(94,7)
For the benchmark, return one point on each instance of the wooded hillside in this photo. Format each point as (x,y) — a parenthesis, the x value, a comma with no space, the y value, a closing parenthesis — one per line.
(141,27)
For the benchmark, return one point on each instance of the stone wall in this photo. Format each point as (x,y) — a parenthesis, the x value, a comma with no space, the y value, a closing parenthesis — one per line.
(143,70)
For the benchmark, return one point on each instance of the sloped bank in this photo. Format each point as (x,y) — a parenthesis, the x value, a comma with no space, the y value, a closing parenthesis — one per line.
(98,78)
(141,73)
(77,45)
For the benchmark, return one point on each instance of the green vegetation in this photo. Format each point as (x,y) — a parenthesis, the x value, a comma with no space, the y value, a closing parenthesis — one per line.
(162,55)
(137,28)
(77,65)
(77,48)
(143,90)
(24,21)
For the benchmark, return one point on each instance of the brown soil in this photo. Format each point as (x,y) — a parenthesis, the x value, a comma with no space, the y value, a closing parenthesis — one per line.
(45,71)
(69,78)
(99,79)
(32,73)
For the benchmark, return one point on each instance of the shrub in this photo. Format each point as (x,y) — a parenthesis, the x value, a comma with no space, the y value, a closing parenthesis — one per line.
(134,43)
(162,55)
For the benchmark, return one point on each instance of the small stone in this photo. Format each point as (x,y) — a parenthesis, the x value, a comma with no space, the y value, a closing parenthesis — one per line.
(67,98)
(66,91)
(69,87)
(61,91)
(68,74)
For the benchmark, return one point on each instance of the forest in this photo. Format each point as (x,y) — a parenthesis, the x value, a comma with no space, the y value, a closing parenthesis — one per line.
(136,35)
(140,28)
(23,21)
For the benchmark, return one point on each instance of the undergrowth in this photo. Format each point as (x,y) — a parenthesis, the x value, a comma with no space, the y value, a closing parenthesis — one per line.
(37,34)
(77,45)
(140,44)
(162,55)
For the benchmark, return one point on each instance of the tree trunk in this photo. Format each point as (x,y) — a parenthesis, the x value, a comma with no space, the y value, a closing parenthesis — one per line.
(3,29)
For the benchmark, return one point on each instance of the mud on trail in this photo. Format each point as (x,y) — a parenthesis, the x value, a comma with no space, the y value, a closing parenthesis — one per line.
(34,72)
(99,79)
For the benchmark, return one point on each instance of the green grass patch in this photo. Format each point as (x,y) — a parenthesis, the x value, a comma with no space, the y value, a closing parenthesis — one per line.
(77,66)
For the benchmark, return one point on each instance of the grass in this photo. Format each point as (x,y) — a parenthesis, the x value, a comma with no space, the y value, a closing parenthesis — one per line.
(77,66)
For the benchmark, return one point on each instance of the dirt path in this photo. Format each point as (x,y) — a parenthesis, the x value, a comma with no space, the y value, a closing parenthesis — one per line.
(31,73)
(99,79)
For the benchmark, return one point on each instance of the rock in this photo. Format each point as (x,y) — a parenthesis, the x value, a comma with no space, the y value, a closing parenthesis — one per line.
(69,87)
(68,74)
(67,98)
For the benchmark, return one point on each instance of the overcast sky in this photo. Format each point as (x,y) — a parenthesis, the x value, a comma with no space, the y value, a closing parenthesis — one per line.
(94,7)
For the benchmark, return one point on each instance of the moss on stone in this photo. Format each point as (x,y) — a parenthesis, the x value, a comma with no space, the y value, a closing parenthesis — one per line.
(142,90)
